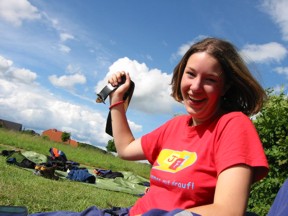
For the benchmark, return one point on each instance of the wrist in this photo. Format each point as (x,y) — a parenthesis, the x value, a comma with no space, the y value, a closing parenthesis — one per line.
(115,98)
(116,104)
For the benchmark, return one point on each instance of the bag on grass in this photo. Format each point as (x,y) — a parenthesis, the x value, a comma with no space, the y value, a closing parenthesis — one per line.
(81,175)
(46,172)
(13,211)
(19,159)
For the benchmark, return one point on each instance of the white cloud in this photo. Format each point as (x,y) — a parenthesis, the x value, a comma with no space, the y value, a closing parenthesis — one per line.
(136,128)
(102,61)
(24,75)
(65,36)
(73,69)
(152,91)
(282,71)
(67,82)
(5,64)
(277,9)
(185,47)
(63,48)
(15,74)
(16,11)
(264,53)
(149,57)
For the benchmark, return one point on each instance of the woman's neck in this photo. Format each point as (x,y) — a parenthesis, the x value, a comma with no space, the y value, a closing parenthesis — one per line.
(196,122)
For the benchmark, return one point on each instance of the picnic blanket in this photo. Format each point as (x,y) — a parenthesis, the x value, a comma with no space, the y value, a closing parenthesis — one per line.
(39,164)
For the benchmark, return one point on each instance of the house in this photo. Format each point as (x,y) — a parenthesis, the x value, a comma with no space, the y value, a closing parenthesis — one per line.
(56,136)
(10,125)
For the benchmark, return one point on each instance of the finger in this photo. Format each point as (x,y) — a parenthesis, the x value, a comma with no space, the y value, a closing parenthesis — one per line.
(120,76)
(113,79)
(128,79)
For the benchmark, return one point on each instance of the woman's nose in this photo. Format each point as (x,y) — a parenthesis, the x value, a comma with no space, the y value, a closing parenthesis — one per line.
(196,84)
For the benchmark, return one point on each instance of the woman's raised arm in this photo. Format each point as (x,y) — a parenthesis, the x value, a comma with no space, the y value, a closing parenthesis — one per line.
(127,146)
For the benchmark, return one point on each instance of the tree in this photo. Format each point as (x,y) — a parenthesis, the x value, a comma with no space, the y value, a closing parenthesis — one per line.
(65,136)
(111,146)
(30,132)
(272,126)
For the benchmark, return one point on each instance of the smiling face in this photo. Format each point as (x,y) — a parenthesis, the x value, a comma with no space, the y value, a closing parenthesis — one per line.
(202,86)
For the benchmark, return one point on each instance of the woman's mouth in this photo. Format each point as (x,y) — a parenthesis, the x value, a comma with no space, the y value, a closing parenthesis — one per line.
(196,103)
(196,100)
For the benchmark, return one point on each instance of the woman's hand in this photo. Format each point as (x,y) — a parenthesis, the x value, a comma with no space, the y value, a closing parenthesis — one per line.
(115,80)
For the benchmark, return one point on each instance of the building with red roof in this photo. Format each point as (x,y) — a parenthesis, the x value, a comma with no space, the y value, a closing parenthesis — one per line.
(56,136)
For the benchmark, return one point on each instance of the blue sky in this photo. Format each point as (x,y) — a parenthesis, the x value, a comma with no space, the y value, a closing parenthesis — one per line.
(56,55)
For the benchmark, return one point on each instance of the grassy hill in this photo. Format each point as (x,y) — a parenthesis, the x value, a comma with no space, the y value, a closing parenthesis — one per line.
(21,187)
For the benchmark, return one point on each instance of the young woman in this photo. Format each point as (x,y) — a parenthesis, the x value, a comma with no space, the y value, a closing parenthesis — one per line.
(206,161)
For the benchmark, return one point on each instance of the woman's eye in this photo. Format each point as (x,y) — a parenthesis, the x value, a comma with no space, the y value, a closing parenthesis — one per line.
(191,74)
(211,80)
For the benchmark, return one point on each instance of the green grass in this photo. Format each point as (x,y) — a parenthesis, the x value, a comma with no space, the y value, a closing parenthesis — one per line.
(19,187)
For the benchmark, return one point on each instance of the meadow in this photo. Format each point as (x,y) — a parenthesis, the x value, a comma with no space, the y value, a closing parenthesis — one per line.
(19,187)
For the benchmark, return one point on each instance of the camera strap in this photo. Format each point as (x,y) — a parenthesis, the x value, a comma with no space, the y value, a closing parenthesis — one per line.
(108,89)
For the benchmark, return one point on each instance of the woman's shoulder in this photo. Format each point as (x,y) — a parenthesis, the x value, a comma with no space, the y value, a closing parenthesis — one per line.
(236,117)
(227,117)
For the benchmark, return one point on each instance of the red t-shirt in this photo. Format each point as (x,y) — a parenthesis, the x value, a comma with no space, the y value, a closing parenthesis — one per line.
(187,160)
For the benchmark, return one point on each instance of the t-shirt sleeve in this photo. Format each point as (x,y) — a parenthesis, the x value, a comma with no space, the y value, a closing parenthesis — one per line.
(239,143)
(150,144)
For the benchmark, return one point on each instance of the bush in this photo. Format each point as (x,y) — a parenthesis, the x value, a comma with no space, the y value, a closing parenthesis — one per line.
(65,136)
(272,126)
(111,146)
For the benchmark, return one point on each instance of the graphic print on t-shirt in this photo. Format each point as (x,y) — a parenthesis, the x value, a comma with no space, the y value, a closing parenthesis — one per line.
(173,161)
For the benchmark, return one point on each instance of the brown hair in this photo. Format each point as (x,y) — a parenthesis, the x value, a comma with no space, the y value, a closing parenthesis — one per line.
(245,94)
